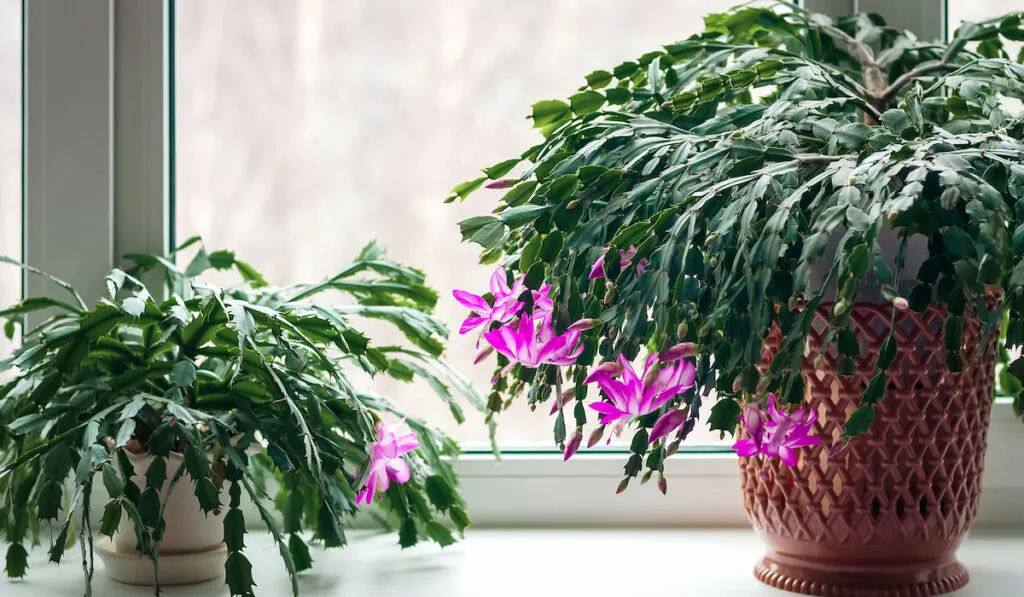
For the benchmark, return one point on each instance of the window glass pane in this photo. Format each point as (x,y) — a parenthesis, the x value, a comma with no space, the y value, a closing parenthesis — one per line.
(10,156)
(958,11)
(307,128)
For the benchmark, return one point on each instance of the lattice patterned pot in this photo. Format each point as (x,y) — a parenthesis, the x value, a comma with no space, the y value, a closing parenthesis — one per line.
(885,516)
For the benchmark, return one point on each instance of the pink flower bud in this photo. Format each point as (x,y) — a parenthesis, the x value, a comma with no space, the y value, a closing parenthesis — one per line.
(900,303)
(651,376)
(682,350)
(668,423)
(662,485)
(562,400)
(574,444)
(622,485)
(595,436)
(606,369)
(483,354)
(501,183)
(584,324)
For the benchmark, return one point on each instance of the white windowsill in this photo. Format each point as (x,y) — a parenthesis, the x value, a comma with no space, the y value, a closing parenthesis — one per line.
(703,489)
(524,563)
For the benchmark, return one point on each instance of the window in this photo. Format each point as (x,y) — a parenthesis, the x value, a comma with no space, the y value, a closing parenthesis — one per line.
(306,129)
(10,154)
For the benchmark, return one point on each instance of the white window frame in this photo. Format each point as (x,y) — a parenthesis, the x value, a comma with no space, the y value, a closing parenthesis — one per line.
(98,179)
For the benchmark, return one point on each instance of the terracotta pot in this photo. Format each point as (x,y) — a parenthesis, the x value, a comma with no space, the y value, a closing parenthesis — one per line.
(192,548)
(886,515)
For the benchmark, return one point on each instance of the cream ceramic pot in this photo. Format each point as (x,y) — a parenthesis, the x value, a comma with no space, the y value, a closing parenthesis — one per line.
(189,529)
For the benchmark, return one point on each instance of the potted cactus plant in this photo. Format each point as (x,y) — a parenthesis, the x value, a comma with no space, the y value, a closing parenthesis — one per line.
(810,231)
(176,408)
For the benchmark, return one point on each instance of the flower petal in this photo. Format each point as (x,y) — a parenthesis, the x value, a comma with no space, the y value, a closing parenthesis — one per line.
(788,456)
(499,284)
(667,424)
(472,301)
(746,448)
(471,323)
(503,340)
(398,470)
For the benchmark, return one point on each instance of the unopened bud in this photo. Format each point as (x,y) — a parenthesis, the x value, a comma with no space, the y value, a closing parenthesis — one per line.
(642,265)
(573,204)
(762,385)
(651,376)
(900,303)
(483,354)
(584,324)
(574,444)
(683,350)
(672,448)
(713,262)
(605,369)
(646,477)
(662,484)
(622,485)
(840,307)
(564,399)
(711,240)
(736,385)
(681,330)
(501,183)
(595,436)
(819,363)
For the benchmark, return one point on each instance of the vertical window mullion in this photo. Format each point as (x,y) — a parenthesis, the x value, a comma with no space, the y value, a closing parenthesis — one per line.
(68,146)
(142,138)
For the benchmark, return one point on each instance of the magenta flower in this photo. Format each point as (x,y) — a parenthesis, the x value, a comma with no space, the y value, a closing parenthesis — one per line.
(506,302)
(632,396)
(533,343)
(386,464)
(625,258)
(779,434)
(641,266)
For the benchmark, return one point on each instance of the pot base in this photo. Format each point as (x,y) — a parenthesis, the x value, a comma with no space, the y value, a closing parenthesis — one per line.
(174,569)
(862,582)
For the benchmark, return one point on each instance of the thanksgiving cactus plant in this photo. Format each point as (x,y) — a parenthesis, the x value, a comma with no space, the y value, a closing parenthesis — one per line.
(680,205)
(217,375)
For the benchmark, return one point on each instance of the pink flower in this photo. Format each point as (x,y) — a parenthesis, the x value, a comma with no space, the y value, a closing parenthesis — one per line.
(625,258)
(633,396)
(386,464)
(641,266)
(779,434)
(506,302)
(533,343)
